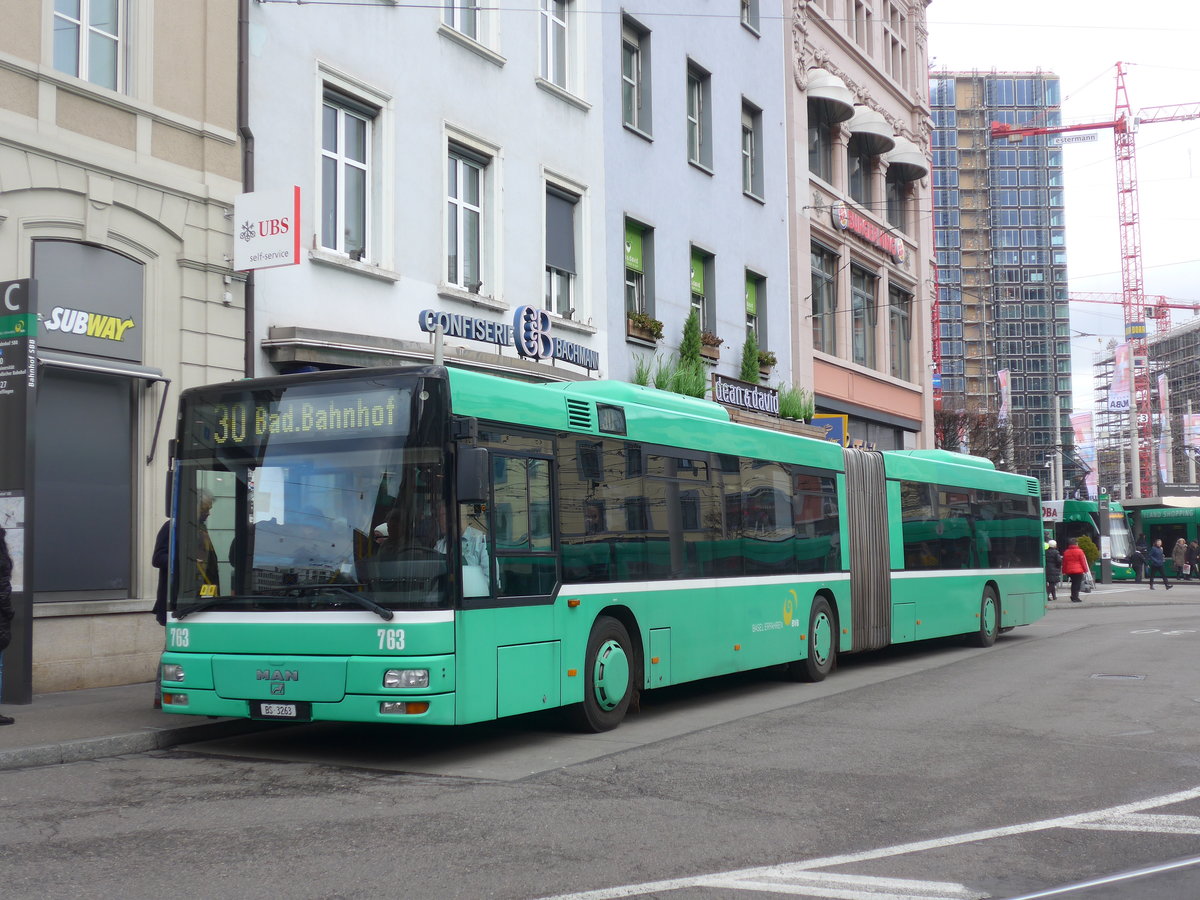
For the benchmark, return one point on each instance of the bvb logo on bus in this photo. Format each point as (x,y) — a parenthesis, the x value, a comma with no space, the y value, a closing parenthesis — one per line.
(789,608)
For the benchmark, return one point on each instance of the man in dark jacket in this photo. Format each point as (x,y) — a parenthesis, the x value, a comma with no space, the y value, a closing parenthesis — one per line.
(1155,560)
(162,552)
(6,608)
(1053,570)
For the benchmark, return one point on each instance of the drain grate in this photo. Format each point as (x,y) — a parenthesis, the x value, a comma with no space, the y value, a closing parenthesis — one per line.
(1119,677)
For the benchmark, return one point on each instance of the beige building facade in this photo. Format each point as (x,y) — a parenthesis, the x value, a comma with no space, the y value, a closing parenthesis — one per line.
(119,165)
(862,275)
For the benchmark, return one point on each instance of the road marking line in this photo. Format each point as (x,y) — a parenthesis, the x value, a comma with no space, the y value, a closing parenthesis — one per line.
(851,887)
(1147,823)
(787,870)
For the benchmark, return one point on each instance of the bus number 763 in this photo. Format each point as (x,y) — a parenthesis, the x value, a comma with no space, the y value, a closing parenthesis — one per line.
(391,638)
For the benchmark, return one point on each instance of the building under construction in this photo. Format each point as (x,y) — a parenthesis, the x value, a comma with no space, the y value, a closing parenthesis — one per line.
(1172,353)
(1000,248)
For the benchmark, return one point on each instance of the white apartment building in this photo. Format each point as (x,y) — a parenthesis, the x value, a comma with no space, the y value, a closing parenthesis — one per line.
(464,165)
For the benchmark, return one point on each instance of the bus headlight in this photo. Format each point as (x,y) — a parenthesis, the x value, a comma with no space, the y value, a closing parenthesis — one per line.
(172,672)
(406,678)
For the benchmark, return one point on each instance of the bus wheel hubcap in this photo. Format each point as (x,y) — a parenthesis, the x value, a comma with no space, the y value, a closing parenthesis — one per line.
(610,678)
(989,615)
(822,638)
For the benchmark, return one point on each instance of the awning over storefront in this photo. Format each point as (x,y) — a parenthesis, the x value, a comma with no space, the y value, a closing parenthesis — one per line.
(832,96)
(113,367)
(906,162)
(871,130)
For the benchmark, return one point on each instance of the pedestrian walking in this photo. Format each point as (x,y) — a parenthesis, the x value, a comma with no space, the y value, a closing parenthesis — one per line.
(1193,560)
(1139,558)
(160,560)
(1156,560)
(1179,558)
(6,608)
(1053,571)
(1074,565)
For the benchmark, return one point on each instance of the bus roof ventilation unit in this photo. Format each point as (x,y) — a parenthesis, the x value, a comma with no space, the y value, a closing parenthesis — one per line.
(579,415)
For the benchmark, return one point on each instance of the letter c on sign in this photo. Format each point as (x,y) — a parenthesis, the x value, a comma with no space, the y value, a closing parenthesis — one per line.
(8,303)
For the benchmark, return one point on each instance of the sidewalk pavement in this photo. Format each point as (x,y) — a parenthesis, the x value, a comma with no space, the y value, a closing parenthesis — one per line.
(89,724)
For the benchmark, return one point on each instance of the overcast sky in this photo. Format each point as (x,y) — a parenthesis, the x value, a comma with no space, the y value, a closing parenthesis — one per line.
(1081,41)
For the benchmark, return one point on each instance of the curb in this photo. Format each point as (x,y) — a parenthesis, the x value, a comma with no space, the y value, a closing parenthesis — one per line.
(121,744)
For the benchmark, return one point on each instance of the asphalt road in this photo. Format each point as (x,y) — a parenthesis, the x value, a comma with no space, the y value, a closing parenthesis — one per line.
(1067,753)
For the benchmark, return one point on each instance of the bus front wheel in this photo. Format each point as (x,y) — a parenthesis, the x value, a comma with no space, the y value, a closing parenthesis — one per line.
(821,642)
(989,619)
(608,678)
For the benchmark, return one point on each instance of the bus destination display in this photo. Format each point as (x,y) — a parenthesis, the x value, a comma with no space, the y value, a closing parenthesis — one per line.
(243,420)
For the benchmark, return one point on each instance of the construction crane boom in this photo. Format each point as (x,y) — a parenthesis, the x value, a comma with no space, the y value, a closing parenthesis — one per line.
(1124,126)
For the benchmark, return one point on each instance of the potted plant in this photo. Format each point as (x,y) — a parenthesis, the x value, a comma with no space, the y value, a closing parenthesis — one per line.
(766,362)
(643,326)
(796,403)
(710,346)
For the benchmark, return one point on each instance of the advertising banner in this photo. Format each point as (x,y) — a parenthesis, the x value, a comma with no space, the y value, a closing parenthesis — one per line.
(1005,396)
(1085,449)
(1119,391)
(835,426)
(1164,435)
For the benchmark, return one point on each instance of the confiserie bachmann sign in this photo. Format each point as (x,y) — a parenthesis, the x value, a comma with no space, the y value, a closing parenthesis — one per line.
(744,395)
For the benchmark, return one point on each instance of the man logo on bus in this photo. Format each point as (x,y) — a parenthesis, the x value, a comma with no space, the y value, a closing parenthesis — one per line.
(789,608)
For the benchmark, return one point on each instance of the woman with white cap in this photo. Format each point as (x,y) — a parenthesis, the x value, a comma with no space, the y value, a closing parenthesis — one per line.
(1053,570)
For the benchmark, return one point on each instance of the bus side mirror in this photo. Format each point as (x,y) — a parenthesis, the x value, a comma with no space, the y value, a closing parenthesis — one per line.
(474,477)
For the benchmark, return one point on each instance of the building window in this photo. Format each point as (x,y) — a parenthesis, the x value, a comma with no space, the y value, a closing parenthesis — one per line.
(463,16)
(897,190)
(701,287)
(895,47)
(639,253)
(820,141)
(858,16)
(699,117)
(752,162)
(560,251)
(346,125)
(860,171)
(756,297)
(88,40)
(750,14)
(554,41)
(900,313)
(465,174)
(824,299)
(862,316)
(635,76)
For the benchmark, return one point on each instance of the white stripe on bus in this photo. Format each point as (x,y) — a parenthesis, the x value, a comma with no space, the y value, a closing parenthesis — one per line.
(333,617)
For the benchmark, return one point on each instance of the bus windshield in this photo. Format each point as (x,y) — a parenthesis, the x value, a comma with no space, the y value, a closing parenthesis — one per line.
(1120,536)
(316,497)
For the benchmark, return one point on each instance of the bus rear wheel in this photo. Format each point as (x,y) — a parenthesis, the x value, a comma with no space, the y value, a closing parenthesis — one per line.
(989,619)
(608,671)
(821,643)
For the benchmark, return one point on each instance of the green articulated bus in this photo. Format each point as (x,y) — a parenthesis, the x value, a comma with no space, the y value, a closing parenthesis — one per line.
(439,546)
(1066,519)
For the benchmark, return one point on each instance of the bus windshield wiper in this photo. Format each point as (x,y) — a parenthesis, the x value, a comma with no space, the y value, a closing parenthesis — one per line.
(292,593)
(362,600)
(217,601)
